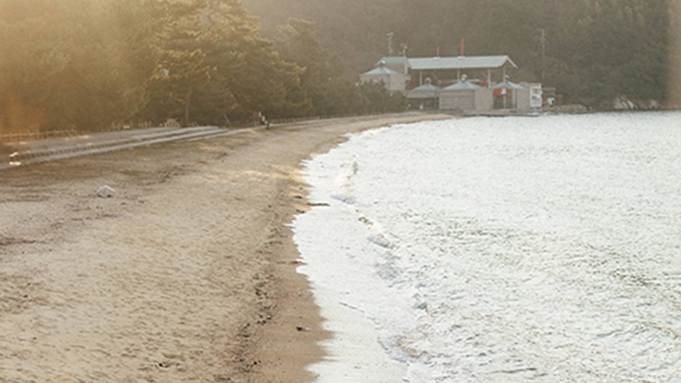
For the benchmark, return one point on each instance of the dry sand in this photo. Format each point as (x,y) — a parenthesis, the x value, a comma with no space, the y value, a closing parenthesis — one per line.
(187,275)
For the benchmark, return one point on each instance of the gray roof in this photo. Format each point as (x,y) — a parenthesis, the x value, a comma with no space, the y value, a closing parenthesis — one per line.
(463,85)
(427,88)
(424,91)
(461,62)
(508,85)
(381,71)
(392,60)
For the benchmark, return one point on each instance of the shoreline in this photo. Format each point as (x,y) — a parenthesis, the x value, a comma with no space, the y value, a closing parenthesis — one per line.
(187,274)
(290,352)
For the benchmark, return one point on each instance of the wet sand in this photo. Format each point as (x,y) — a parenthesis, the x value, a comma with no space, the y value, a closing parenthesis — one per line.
(187,275)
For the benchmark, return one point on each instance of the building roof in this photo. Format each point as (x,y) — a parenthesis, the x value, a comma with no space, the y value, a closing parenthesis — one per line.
(424,91)
(461,62)
(382,70)
(508,85)
(391,60)
(427,88)
(463,85)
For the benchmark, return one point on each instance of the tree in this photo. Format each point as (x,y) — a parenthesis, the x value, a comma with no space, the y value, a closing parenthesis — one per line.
(595,49)
(247,74)
(181,66)
(69,64)
(321,73)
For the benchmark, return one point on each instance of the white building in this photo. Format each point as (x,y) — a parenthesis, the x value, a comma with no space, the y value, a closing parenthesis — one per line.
(466,96)
(492,90)
(393,81)
(485,68)
(426,96)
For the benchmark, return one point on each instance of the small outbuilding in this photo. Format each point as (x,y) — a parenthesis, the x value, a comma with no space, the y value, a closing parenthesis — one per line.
(393,81)
(465,95)
(399,64)
(506,95)
(426,96)
(491,90)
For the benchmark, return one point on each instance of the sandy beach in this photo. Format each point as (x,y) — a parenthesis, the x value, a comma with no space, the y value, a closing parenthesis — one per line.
(188,274)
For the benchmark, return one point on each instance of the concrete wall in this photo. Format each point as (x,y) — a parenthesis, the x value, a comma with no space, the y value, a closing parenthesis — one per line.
(457,100)
(530,97)
(524,99)
(469,100)
(394,83)
(402,67)
(397,83)
(484,99)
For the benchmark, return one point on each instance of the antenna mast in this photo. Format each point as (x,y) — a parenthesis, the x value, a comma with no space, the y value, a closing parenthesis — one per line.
(542,41)
(390,43)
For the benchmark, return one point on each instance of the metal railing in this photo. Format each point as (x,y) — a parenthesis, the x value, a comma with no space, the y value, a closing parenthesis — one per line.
(44,134)
(35,135)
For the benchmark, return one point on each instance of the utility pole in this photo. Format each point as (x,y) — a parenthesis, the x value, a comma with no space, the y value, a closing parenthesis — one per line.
(390,43)
(542,41)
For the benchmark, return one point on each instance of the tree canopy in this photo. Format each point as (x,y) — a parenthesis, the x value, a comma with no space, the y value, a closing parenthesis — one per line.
(594,49)
(87,64)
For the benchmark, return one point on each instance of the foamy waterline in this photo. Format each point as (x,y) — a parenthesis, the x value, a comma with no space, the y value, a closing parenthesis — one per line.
(500,250)
(340,268)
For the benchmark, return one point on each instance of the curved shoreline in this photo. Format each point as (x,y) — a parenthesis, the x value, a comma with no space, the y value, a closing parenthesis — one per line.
(188,273)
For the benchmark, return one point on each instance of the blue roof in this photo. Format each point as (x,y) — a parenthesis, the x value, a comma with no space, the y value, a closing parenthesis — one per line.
(392,60)
(381,71)
(424,91)
(461,62)
(427,88)
(463,85)
(508,85)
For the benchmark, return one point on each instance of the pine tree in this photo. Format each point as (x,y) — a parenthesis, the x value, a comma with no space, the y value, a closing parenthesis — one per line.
(181,67)
(247,75)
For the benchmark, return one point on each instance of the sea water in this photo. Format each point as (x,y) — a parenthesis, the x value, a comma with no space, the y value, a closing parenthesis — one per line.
(543,249)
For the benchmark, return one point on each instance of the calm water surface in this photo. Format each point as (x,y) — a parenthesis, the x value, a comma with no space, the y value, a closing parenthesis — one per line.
(540,249)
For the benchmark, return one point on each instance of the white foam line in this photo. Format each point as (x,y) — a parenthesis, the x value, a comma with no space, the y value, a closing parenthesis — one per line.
(338,262)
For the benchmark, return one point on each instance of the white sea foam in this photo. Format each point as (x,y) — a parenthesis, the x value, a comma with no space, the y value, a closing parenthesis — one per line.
(500,250)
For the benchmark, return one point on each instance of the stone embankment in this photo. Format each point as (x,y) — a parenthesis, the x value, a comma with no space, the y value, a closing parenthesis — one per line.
(32,152)
(625,103)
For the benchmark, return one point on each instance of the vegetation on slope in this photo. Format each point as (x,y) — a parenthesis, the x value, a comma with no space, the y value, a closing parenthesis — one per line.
(88,64)
(595,50)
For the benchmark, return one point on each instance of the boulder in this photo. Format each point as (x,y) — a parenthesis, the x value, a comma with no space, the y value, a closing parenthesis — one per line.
(623,103)
(106,192)
(172,123)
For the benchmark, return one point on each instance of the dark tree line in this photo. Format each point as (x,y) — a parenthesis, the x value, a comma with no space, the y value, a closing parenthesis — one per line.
(88,64)
(595,50)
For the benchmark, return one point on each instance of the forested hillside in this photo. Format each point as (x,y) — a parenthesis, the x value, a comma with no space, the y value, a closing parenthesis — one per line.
(87,64)
(595,50)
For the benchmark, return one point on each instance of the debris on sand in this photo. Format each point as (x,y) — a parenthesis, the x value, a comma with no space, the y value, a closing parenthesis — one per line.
(106,192)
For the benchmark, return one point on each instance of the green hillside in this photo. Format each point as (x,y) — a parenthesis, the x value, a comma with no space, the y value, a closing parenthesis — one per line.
(90,64)
(594,50)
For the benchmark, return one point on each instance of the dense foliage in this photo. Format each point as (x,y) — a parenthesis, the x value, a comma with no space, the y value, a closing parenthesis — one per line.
(72,64)
(595,50)
(88,64)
